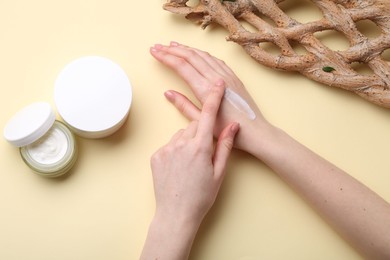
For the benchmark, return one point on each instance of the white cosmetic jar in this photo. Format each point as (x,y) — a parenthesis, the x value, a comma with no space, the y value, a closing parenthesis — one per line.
(47,146)
(93,96)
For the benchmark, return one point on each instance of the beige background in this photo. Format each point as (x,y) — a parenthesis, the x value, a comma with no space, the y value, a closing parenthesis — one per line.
(102,209)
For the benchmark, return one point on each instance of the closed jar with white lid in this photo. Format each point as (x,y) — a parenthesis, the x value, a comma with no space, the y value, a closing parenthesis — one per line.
(46,145)
(93,96)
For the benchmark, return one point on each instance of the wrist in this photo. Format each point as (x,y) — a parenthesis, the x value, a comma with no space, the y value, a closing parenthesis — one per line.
(258,138)
(176,224)
(169,238)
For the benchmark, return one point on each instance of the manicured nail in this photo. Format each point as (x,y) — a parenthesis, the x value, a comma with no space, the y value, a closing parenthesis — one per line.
(174,44)
(220,83)
(158,46)
(169,95)
(234,128)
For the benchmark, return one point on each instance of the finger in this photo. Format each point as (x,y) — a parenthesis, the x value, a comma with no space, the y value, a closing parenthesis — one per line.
(176,136)
(209,113)
(183,104)
(193,57)
(220,67)
(223,148)
(190,131)
(198,83)
(216,64)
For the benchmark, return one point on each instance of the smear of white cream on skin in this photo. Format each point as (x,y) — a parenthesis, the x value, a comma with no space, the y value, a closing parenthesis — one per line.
(239,103)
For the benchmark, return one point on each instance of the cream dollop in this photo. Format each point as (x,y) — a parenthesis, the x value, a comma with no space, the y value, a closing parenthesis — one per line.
(239,103)
(50,148)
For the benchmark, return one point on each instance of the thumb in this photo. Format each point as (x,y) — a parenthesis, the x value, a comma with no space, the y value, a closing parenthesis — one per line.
(223,148)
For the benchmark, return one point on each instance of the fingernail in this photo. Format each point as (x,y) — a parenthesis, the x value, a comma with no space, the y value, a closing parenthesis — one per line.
(234,128)
(169,95)
(174,44)
(220,83)
(158,46)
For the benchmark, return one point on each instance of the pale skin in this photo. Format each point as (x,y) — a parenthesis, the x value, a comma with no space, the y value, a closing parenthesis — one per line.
(357,213)
(187,174)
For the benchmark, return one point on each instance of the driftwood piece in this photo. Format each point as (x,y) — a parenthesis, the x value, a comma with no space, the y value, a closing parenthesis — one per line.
(320,63)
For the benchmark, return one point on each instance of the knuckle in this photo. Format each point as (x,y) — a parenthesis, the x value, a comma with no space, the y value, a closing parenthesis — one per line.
(167,151)
(179,62)
(180,144)
(155,158)
(182,106)
(221,61)
(191,53)
(204,149)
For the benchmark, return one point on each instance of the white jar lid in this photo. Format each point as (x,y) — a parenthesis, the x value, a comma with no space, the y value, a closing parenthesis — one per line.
(93,96)
(29,124)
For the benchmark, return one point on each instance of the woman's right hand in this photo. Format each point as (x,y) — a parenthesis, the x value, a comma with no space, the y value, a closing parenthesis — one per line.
(201,71)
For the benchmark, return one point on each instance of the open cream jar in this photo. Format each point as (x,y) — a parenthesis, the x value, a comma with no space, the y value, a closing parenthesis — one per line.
(93,96)
(47,146)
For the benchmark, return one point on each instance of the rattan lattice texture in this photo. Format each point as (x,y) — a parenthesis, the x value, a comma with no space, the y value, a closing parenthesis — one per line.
(319,63)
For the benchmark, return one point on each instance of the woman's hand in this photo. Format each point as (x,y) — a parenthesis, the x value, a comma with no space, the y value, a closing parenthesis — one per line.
(187,175)
(187,172)
(201,71)
(330,190)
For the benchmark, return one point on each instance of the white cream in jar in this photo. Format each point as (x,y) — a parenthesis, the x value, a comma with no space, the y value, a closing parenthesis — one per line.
(50,148)
(47,146)
(93,96)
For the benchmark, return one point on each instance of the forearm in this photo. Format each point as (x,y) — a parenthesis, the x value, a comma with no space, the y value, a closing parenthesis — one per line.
(356,212)
(169,238)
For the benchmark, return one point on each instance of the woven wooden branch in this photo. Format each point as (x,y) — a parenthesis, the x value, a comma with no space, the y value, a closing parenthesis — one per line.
(320,64)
